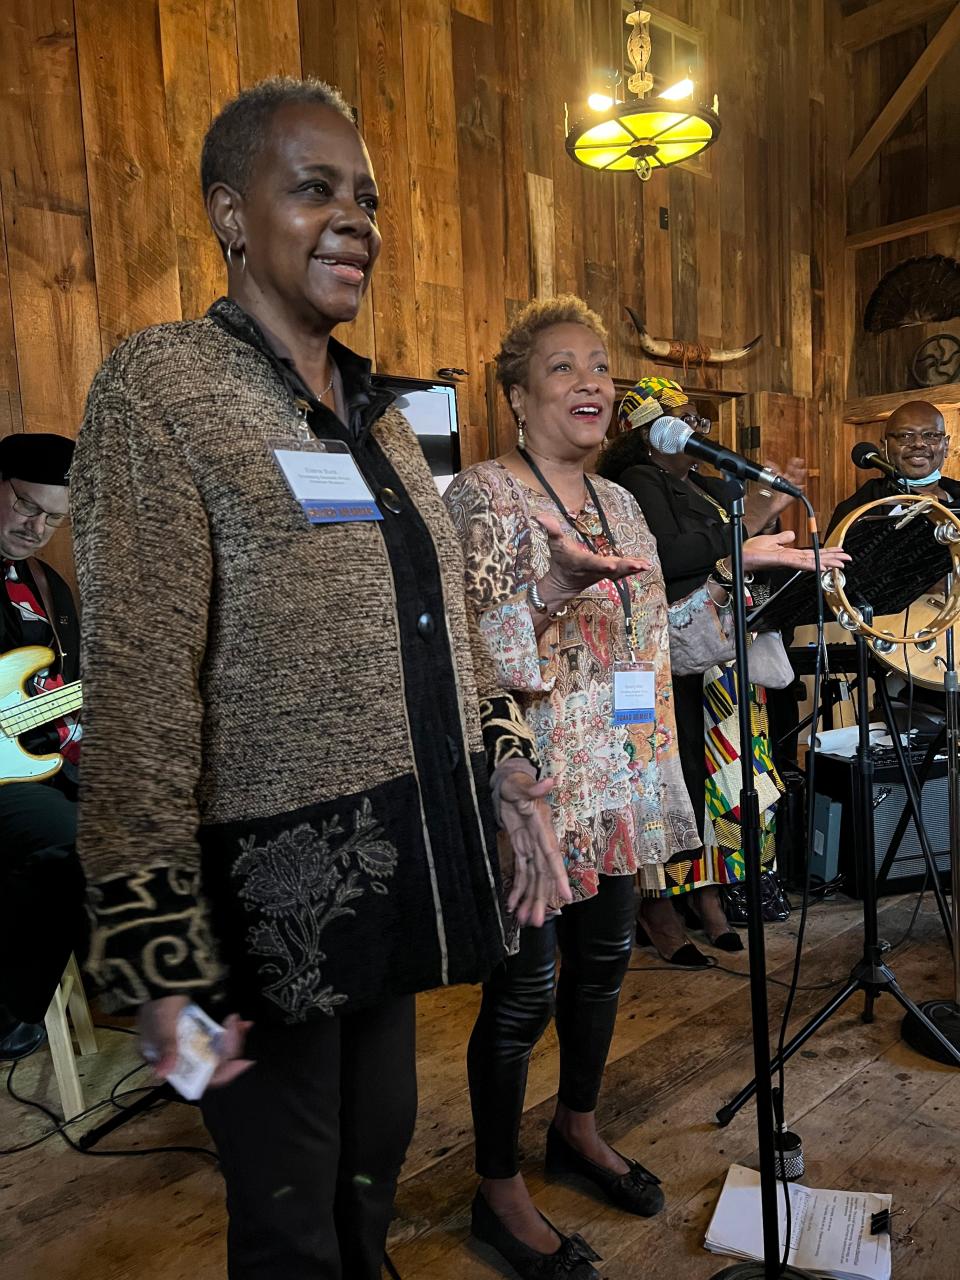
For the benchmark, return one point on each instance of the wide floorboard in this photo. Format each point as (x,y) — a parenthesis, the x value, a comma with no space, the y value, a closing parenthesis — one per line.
(872,1114)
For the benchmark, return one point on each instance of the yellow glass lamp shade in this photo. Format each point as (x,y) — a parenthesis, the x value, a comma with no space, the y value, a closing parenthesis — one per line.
(634,136)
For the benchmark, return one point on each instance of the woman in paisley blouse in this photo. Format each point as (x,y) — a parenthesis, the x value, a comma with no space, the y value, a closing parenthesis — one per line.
(563,576)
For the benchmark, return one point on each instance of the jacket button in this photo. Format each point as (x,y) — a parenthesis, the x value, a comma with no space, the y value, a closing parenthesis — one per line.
(389,499)
(426,625)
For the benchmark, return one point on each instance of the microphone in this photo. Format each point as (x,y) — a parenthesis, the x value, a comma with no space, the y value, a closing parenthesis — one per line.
(868,457)
(673,435)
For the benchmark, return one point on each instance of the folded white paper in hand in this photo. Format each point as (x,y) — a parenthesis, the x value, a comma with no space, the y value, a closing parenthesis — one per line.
(200,1046)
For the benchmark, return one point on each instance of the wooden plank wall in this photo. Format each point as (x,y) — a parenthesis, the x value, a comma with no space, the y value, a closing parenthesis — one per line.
(104,104)
(915,172)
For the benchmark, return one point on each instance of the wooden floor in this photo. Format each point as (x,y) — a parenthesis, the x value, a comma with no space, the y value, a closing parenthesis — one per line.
(872,1115)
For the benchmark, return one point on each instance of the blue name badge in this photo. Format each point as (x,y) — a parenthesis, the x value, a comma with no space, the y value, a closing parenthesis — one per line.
(634,693)
(326,481)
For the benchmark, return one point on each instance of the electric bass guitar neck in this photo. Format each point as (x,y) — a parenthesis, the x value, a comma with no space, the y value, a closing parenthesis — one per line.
(19,713)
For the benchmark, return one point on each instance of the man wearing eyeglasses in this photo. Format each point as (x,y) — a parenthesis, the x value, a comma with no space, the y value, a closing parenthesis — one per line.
(41,884)
(916,443)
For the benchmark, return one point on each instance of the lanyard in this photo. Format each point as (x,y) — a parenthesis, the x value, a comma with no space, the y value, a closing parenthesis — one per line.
(623,590)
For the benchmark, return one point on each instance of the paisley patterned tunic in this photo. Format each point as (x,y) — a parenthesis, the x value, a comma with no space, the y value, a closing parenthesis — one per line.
(619,801)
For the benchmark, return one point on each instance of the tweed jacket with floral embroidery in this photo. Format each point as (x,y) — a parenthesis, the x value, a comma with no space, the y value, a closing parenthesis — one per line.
(308,808)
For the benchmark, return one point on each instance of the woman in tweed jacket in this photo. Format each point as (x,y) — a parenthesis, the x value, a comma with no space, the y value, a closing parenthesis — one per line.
(286,790)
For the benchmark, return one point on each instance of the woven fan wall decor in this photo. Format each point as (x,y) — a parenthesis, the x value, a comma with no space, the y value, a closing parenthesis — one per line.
(917,291)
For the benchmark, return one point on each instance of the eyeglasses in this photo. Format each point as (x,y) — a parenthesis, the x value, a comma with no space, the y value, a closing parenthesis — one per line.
(932,438)
(693,419)
(25,507)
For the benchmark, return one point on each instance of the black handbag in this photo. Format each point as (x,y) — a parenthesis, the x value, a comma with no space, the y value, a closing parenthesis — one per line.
(774,903)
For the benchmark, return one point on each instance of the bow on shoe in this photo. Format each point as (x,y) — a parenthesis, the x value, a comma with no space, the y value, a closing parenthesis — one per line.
(573,1251)
(638,1174)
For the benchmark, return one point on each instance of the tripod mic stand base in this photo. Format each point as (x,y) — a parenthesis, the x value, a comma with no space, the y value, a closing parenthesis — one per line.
(758,1271)
(945,1016)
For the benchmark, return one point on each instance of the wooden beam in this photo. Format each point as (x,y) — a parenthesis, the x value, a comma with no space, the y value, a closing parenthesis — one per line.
(904,96)
(875,408)
(908,227)
(886,18)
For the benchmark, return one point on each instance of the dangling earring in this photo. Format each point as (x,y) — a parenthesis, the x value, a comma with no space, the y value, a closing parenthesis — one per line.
(521,437)
(243,257)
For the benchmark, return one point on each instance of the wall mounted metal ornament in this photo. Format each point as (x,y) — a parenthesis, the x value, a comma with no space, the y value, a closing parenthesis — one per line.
(937,360)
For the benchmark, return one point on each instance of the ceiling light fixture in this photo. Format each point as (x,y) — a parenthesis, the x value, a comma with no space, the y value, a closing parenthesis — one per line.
(636,135)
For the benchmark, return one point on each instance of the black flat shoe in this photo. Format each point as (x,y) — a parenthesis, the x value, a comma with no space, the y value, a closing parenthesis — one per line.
(729,941)
(21,1040)
(688,956)
(636,1191)
(572,1261)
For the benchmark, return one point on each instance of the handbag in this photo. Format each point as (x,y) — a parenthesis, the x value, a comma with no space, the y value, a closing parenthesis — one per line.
(701,638)
(775,906)
(768,663)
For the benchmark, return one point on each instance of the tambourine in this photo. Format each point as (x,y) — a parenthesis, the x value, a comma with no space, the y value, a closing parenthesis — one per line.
(883,639)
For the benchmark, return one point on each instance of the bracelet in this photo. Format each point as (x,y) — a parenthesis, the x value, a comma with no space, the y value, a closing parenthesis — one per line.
(725,588)
(722,574)
(538,602)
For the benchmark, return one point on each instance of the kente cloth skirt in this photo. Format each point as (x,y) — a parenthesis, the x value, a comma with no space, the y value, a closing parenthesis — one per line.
(711,769)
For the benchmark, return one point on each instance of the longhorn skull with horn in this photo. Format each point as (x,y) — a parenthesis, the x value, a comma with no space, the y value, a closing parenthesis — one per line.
(686,353)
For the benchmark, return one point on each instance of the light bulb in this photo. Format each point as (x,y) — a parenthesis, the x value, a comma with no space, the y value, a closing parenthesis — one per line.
(682,89)
(599,102)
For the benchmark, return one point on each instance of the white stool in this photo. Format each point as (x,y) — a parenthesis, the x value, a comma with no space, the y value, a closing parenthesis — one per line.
(69,998)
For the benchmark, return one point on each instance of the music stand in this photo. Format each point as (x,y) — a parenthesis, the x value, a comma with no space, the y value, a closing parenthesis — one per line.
(877,573)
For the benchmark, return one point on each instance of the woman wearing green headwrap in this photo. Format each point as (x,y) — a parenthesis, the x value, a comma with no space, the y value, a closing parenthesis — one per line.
(688,515)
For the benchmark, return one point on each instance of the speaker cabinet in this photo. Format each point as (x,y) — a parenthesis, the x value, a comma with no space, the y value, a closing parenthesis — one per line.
(837,780)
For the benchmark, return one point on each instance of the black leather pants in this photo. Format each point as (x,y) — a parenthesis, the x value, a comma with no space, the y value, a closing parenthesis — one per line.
(595,938)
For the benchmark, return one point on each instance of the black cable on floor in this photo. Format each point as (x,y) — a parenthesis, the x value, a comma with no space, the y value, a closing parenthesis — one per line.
(60,1126)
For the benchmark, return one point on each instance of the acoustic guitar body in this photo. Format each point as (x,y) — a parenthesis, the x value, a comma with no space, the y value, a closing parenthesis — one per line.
(16,669)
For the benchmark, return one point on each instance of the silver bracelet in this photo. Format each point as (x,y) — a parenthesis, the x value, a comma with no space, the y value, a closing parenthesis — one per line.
(538,602)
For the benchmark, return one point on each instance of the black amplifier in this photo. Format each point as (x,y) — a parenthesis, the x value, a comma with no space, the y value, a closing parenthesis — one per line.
(837,778)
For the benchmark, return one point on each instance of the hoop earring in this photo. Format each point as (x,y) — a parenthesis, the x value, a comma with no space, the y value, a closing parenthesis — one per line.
(521,436)
(243,257)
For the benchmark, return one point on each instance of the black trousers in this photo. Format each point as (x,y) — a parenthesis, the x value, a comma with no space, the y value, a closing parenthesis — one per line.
(595,938)
(42,892)
(311,1140)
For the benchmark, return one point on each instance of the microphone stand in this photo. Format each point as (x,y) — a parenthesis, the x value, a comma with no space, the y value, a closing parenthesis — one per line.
(945,1014)
(770,1268)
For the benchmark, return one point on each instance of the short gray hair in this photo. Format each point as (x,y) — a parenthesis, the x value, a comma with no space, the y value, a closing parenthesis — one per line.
(237,135)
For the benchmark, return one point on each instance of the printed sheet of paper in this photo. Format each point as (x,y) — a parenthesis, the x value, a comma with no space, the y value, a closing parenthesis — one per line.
(830,1233)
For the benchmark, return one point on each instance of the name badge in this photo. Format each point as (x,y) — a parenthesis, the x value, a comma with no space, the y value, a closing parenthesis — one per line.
(326,481)
(634,693)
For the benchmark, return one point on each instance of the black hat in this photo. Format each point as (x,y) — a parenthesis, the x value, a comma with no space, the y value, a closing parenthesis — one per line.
(38,457)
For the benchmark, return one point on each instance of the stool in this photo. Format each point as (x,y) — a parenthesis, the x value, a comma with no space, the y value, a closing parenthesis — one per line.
(69,998)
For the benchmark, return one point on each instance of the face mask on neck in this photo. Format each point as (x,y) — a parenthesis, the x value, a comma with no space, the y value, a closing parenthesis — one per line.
(932,478)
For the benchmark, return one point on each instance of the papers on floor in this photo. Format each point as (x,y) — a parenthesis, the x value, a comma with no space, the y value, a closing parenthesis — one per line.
(830,1233)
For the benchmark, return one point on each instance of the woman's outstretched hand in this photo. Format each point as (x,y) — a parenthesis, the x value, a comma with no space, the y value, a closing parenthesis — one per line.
(773,551)
(574,567)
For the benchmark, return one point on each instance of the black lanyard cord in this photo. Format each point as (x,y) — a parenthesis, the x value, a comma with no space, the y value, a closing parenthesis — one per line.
(622,588)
